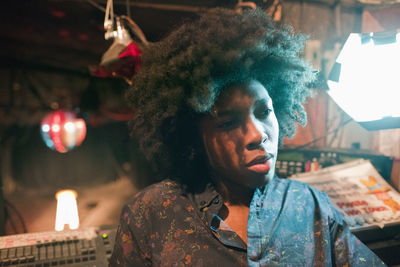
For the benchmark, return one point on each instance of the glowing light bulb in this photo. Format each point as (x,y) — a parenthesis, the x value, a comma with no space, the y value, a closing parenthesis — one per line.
(69,127)
(67,210)
(45,128)
(55,128)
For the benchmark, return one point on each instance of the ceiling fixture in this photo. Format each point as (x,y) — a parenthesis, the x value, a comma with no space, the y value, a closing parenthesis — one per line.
(122,59)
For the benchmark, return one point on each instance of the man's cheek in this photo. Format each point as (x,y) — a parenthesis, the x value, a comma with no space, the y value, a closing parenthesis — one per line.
(213,149)
(229,154)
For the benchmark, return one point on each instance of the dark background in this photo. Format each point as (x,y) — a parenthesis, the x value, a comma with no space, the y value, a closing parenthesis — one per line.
(46,49)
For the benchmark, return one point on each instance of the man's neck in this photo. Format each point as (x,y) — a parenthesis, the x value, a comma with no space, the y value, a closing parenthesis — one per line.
(233,193)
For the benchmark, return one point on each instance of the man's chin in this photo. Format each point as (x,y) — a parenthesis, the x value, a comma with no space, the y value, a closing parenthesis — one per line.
(255,181)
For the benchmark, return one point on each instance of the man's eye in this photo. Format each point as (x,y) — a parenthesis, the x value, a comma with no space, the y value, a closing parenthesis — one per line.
(227,124)
(264,113)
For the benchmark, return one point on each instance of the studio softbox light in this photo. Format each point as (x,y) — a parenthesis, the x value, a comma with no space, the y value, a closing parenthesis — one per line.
(365,79)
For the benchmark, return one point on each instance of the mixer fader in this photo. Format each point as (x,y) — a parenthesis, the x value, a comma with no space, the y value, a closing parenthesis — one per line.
(90,246)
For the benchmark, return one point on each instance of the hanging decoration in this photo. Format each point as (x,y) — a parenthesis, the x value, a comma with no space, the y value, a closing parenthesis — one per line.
(122,59)
(62,131)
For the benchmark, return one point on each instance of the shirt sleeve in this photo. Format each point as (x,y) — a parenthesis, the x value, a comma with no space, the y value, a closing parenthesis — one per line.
(127,249)
(347,249)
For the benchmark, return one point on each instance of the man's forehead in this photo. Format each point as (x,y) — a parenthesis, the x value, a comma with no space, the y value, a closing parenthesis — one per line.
(234,105)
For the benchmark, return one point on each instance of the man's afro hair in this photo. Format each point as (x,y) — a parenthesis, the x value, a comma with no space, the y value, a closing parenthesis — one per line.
(182,76)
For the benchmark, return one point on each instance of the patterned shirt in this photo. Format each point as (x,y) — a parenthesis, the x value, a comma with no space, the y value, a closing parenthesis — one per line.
(289,224)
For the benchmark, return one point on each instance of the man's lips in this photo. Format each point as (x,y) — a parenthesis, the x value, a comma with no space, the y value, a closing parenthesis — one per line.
(260,164)
(260,159)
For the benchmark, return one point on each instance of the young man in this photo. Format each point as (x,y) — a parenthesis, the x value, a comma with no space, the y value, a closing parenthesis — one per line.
(213,102)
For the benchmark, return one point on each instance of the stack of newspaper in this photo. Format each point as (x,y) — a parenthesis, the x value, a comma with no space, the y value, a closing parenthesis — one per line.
(358,191)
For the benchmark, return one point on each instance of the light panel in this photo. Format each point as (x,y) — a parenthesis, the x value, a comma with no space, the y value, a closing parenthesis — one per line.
(365,81)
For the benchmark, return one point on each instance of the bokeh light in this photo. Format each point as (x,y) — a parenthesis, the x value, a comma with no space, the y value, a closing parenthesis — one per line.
(62,131)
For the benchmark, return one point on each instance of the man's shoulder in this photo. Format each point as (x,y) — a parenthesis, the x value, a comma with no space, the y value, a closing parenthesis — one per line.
(292,184)
(301,188)
(156,195)
(298,189)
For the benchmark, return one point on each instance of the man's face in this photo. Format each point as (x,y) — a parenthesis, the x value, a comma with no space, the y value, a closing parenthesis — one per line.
(241,139)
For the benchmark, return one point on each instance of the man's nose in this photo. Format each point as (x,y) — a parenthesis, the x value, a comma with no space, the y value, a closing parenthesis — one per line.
(255,135)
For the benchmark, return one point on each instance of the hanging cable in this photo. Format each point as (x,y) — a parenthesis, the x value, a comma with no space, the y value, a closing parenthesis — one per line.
(93,3)
(109,20)
(328,133)
(9,207)
(128,8)
(136,29)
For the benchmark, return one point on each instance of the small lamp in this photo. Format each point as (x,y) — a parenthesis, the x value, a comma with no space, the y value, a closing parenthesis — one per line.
(67,210)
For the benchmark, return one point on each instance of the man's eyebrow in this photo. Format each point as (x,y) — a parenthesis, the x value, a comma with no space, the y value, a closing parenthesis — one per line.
(229,112)
(263,101)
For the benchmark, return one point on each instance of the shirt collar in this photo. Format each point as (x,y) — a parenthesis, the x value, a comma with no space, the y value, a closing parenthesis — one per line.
(206,198)
(209,202)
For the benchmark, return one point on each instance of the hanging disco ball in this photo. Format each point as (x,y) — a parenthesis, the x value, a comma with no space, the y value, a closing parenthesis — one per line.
(62,131)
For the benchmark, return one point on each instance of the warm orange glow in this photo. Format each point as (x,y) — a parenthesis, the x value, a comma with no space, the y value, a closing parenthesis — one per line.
(67,210)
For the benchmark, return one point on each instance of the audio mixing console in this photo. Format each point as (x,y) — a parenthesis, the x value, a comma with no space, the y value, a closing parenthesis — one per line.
(87,247)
